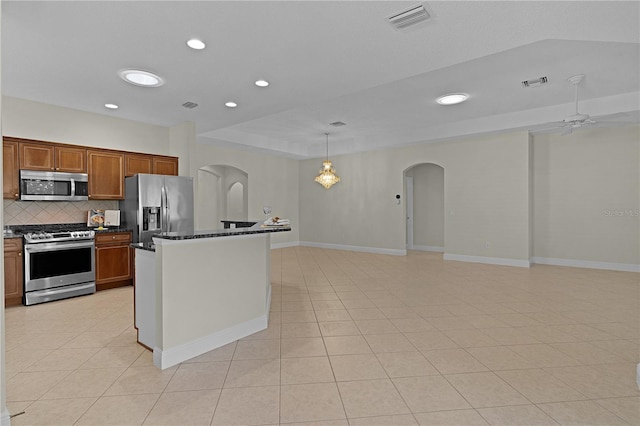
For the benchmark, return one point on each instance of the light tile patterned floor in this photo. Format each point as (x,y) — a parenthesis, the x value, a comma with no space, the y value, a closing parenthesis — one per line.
(354,339)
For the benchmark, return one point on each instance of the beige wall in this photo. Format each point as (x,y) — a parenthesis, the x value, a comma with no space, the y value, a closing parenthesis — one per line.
(428,206)
(272,181)
(34,120)
(486,183)
(587,195)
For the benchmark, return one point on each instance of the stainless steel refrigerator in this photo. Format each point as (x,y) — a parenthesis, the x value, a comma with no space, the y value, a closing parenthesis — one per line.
(157,203)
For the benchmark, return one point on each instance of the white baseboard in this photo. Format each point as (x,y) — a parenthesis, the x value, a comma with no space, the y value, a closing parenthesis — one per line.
(176,355)
(437,249)
(624,267)
(285,245)
(375,250)
(488,260)
(5,417)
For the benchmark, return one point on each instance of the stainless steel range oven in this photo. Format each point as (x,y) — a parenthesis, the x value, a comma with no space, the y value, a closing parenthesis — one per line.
(58,265)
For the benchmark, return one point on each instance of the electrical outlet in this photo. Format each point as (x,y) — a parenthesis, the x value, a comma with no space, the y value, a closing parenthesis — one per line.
(487,244)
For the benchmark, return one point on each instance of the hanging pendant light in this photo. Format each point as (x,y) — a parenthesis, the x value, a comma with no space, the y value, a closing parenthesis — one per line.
(327,176)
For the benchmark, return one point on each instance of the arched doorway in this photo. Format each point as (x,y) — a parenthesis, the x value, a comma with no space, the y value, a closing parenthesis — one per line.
(425,207)
(222,194)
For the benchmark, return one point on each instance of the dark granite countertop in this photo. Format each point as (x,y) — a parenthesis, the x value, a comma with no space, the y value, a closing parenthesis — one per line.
(17,231)
(255,229)
(144,246)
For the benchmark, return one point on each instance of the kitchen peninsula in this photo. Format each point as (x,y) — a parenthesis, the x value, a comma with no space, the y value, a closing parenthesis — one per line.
(195,292)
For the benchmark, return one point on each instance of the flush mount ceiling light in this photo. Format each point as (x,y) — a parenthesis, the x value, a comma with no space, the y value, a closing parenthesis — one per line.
(452,98)
(111,106)
(230,104)
(141,78)
(262,83)
(196,44)
(327,176)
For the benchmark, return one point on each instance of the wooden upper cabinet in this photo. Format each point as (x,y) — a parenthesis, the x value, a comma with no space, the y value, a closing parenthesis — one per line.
(72,160)
(106,174)
(52,158)
(137,163)
(36,157)
(10,166)
(165,166)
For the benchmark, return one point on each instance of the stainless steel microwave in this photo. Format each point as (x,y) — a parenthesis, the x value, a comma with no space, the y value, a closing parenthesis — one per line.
(53,186)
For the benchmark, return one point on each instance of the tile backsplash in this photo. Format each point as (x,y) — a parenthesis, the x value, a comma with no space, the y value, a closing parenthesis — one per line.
(36,212)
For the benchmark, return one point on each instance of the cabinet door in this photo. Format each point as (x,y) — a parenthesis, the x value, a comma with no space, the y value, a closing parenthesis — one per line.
(113,263)
(13,272)
(106,175)
(10,185)
(36,157)
(137,163)
(72,160)
(165,166)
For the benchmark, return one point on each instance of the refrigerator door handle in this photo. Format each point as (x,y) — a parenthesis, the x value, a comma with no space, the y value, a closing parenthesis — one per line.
(168,206)
(163,208)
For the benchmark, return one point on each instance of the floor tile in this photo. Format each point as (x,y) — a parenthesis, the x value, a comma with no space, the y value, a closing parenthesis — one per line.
(430,340)
(586,353)
(543,355)
(119,410)
(395,342)
(356,367)
(580,413)
(310,402)
(302,347)
(333,315)
(538,386)
(253,372)
(470,338)
(397,420)
(64,411)
(451,418)
(63,359)
(366,313)
(114,357)
(302,329)
(248,406)
(517,415)
(486,390)
(369,398)
(346,345)
(376,326)
(140,380)
(258,349)
(500,358)
(406,364)
(223,353)
(451,361)
(339,328)
(84,383)
(626,408)
(411,325)
(184,408)
(593,381)
(305,370)
(429,393)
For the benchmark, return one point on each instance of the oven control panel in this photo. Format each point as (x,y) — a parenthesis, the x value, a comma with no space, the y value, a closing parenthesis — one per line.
(45,237)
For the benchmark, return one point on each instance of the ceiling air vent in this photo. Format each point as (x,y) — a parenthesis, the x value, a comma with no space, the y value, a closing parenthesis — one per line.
(535,82)
(190,105)
(408,17)
(337,124)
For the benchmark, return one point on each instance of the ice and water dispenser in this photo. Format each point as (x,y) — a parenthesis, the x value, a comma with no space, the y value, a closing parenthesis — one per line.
(150,218)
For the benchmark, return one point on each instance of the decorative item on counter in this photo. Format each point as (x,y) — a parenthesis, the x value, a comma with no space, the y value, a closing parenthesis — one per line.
(112,217)
(276,221)
(96,218)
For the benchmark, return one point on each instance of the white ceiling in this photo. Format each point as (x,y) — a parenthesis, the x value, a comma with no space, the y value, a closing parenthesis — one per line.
(327,61)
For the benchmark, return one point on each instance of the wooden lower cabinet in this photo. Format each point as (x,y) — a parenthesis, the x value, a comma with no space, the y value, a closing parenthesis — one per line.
(113,260)
(13,272)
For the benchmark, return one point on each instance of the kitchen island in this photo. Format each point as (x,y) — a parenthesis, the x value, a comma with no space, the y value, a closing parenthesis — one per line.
(196,292)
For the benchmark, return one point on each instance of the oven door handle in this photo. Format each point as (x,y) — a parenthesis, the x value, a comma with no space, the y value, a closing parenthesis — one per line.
(39,248)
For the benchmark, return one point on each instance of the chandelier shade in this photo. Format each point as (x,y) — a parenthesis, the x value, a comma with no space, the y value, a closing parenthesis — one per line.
(327,176)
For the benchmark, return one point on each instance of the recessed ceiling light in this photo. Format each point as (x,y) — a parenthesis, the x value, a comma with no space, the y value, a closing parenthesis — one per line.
(452,98)
(111,106)
(141,78)
(262,83)
(231,104)
(194,43)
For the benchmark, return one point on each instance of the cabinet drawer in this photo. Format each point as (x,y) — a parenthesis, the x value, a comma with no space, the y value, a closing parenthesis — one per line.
(110,238)
(13,244)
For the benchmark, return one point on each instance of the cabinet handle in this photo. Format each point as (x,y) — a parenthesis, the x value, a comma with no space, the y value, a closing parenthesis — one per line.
(89,195)
(16,195)
(113,238)
(19,254)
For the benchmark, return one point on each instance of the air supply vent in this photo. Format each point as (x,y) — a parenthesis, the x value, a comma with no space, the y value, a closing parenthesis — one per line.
(408,17)
(535,82)
(190,105)
(337,124)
